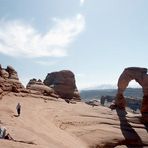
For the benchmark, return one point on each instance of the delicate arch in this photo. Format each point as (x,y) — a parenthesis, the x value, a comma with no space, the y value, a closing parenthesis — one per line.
(133,73)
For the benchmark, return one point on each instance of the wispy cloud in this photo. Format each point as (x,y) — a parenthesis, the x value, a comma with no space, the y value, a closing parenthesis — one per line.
(20,39)
(82,2)
(46,63)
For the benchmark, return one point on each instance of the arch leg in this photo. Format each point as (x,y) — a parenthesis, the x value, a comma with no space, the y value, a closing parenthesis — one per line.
(120,101)
(144,109)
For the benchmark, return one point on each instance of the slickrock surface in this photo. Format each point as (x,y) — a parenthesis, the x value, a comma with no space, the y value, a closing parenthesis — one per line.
(46,122)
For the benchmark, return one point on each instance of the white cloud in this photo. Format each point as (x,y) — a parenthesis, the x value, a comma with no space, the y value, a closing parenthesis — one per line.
(46,63)
(20,39)
(82,2)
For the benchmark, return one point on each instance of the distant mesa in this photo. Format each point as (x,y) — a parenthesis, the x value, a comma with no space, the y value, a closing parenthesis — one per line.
(63,83)
(9,80)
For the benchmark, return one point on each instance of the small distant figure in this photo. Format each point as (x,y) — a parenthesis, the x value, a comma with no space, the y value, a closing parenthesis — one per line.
(4,134)
(18,108)
(102,101)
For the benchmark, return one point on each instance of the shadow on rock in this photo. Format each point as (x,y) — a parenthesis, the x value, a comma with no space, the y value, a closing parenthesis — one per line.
(132,139)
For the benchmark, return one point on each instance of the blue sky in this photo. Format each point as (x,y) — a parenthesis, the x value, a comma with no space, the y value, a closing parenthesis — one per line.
(95,39)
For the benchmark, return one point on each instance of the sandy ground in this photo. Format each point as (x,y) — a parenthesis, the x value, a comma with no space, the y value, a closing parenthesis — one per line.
(54,123)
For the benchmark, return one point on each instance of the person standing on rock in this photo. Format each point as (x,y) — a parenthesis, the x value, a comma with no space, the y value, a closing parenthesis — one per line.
(18,108)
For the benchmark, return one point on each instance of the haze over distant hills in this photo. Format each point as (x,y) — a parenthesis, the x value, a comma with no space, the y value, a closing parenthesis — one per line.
(102,86)
(97,93)
(132,84)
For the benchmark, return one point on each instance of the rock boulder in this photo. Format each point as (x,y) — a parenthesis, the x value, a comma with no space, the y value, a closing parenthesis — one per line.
(63,83)
(39,87)
(9,80)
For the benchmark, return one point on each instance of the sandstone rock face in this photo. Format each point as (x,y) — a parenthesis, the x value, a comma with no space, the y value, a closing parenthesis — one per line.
(39,87)
(133,73)
(12,73)
(141,76)
(9,80)
(63,83)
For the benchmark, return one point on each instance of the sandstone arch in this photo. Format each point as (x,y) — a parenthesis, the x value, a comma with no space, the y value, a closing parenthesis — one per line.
(140,75)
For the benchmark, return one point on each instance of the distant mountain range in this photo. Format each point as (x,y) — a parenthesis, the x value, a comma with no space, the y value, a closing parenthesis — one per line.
(96,94)
(103,86)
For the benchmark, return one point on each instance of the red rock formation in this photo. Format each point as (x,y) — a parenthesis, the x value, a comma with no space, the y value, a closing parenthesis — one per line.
(39,87)
(9,80)
(141,76)
(63,83)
